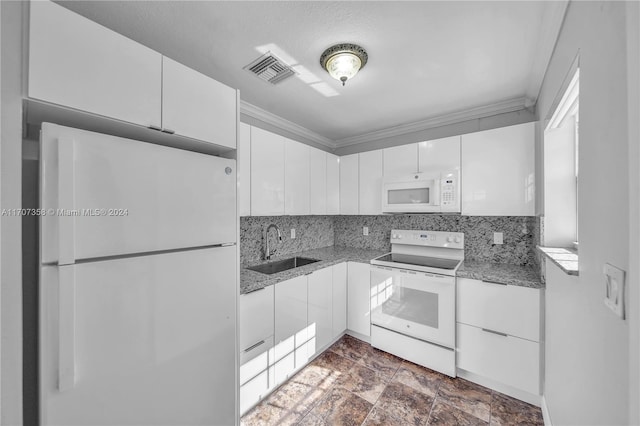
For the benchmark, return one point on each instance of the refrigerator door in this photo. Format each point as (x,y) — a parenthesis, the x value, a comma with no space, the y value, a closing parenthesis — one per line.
(106,196)
(144,340)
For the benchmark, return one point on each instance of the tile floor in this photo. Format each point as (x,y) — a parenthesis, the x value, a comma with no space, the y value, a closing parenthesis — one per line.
(352,383)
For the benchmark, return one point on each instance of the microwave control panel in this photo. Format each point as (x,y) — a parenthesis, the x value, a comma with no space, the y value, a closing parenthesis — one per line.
(448,191)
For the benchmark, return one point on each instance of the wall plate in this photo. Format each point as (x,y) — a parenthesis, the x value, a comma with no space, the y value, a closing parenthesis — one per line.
(614,289)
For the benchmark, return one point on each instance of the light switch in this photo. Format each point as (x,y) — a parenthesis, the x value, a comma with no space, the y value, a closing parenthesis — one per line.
(614,289)
(365,230)
(293,233)
(498,238)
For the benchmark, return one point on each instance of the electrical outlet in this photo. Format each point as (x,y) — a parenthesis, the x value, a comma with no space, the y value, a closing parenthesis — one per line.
(498,238)
(293,233)
(365,230)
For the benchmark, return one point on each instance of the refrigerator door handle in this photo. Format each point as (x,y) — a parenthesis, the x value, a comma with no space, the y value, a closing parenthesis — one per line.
(66,201)
(66,328)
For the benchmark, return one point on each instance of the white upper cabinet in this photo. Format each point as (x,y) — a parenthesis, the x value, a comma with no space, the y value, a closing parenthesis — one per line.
(370,178)
(79,64)
(244,170)
(317,181)
(439,154)
(267,173)
(333,184)
(400,160)
(296,178)
(498,173)
(349,184)
(197,106)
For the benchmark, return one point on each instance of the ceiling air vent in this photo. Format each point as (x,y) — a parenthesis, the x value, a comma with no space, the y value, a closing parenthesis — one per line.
(269,68)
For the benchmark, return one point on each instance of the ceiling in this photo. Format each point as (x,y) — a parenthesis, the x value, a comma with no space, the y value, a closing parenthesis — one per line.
(427,59)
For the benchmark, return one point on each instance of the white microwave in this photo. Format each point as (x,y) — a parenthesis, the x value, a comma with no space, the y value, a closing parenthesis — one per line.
(422,193)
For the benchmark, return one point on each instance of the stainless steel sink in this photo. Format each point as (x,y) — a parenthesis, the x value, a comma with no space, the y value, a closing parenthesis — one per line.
(282,265)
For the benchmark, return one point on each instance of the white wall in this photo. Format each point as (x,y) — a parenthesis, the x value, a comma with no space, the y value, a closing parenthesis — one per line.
(633,76)
(10,227)
(587,346)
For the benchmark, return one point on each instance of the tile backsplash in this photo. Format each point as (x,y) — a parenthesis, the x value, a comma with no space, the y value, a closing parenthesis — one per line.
(311,232)
(478,233)
(321,231)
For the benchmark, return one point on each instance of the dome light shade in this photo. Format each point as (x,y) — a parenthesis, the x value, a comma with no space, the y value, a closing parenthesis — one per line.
(343,61)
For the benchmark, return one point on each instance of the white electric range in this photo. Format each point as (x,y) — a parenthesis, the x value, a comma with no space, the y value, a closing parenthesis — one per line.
(413,297)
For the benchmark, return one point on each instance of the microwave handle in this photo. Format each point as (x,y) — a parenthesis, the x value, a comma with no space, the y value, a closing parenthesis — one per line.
(436,192)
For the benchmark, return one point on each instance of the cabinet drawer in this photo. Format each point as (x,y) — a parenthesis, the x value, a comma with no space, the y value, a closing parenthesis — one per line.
(256,359)
(253,391)
(506,359)
(256,321)
(505,308)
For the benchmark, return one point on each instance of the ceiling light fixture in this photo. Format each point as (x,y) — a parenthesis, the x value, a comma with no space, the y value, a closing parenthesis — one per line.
(343,61)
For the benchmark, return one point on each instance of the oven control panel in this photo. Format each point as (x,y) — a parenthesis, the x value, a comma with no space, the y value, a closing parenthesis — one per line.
(428,238)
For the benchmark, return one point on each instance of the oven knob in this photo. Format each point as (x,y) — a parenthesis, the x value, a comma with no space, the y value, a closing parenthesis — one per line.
(394,236)
(399,236)
(449,239)
(457,239)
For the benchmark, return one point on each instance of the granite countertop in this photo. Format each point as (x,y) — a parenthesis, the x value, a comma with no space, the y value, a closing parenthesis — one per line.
(328,256)
(502,273)
(498,272)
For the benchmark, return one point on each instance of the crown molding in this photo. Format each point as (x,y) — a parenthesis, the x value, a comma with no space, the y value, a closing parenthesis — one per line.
(552,21)
(265,116)
(505,106)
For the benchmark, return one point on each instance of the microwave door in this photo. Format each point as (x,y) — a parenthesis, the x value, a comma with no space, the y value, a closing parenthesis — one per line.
(410,197)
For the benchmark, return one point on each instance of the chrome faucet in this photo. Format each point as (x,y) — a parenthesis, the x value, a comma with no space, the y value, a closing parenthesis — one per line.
(268,252)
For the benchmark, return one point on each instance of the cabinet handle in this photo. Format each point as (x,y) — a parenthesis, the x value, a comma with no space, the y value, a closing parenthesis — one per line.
(168,131)
(261,342)
(495,332)
(494,282)
(154,127)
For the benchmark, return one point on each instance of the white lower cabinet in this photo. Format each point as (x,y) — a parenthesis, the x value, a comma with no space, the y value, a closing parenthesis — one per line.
(499,333)
(500,357)
(339,299)
(291,334)
(320,313)
(358,298)
(256,314)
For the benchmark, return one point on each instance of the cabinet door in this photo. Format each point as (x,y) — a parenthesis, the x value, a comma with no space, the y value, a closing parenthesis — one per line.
(505,359)
(333,184)
(296,178)
(349,184)
(267,173)
(291,351)
(80,64)
(320,308)
(339,299)
(317,181)
(197,106)
(358,298)
(370,178)
(401,160)
(244,170)
(256,316)
(498,175)
(439,154)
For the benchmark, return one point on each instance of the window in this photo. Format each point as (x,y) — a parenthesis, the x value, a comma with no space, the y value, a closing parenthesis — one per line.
(561,178)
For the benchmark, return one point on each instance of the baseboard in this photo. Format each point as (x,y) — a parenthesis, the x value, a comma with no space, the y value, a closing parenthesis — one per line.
(359,336)
(500,387)
(545,413)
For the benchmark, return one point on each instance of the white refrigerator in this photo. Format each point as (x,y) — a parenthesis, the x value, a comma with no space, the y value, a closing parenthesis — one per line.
(137,283)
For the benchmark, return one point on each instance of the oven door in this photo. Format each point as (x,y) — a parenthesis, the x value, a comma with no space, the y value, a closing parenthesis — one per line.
(416,304)
(411,196)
